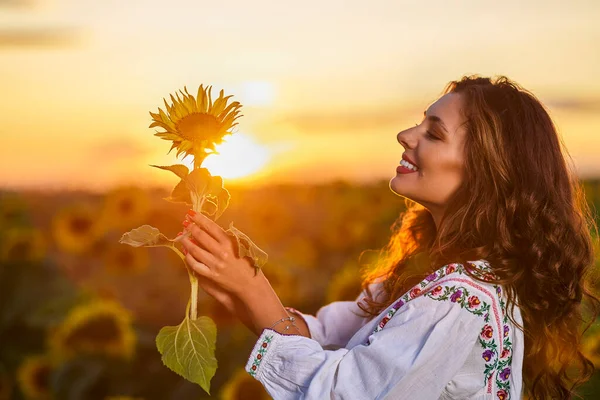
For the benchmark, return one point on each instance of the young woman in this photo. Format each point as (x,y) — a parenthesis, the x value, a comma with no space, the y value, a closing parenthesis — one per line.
(479,293)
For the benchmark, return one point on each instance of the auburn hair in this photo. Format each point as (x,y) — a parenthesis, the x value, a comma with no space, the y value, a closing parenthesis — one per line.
(522,208)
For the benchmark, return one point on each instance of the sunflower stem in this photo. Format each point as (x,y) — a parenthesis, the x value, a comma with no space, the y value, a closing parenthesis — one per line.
(194,298)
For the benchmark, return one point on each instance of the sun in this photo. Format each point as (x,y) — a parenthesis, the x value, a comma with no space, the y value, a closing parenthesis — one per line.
(239,156)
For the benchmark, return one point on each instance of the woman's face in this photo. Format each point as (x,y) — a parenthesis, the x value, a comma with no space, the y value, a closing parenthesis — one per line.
(435,147)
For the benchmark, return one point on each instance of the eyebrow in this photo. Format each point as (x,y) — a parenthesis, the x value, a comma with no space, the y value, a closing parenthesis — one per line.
(435,119)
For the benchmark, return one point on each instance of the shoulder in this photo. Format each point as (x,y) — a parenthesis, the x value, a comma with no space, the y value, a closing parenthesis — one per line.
(450,288)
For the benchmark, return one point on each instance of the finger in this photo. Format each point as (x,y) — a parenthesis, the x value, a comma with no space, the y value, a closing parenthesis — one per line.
(200,268)
(209,226)
(204,240)
(198,253)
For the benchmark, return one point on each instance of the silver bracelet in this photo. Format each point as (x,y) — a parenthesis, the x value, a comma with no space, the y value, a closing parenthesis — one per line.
(291,319)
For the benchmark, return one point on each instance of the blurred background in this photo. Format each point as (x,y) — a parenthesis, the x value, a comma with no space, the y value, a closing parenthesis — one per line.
(325,87)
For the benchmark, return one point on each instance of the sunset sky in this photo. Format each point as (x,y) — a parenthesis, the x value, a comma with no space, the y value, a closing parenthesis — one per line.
(325,85)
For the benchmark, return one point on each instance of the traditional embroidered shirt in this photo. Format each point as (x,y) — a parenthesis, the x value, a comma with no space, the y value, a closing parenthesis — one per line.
(449,337)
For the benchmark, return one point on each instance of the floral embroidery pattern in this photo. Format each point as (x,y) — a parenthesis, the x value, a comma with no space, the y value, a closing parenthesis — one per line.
(497,353)
(261,354)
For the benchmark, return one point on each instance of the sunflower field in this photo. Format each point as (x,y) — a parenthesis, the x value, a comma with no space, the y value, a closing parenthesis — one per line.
(79,312)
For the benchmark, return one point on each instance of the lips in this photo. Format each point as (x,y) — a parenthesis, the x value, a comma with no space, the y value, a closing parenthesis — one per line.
(406,158)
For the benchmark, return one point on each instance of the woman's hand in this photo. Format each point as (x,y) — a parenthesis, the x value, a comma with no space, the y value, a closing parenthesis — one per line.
(213,255)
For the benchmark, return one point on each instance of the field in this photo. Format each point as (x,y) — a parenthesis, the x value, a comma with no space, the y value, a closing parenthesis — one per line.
(79,311)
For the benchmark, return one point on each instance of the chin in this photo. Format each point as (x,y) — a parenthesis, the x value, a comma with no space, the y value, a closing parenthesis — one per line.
(396,187)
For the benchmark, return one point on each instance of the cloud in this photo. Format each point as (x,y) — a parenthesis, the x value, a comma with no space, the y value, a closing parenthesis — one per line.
(38,37)
(17,3)
(574,104)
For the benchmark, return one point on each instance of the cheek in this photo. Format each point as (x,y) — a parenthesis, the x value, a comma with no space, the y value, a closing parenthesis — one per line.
(447,171)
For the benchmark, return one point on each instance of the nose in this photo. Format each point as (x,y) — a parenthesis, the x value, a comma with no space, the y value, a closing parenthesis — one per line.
(406,138)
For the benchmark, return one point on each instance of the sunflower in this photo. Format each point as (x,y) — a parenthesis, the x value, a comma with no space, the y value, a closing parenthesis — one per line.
(196,125)
(33,376)
(126,260)
(23,245)
(75,228)
(242,386)
(345,284)
(125,207)
(591,348)
(101,327)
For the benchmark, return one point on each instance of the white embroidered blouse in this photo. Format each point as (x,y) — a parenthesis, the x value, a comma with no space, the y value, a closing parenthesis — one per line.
(449,337)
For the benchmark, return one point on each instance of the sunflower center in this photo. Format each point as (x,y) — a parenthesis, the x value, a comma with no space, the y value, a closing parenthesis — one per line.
(124,258)
(101,329)
(126,206)
(41,378)
(19,250)
(80,225)
(198,126)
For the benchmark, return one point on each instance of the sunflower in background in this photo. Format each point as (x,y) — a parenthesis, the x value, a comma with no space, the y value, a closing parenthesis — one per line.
(196,125)
(242,386)
(125,260)
(345,284)
(75,228)
(124,207)
(23,245)
(33,376)
(100,327)
(591,348)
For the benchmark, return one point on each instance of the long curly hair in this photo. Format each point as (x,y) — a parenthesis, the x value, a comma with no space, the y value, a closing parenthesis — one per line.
(520,207)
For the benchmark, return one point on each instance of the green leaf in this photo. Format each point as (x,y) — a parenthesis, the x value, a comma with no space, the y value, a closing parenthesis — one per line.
(247,248)
(180,194)
(198,182)
(178,169)
(189,349)
(209,207)
(147,236)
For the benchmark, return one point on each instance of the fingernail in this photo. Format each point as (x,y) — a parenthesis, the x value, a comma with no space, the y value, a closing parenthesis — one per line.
(191,212)
(180,233)
(186,223)
(185,251)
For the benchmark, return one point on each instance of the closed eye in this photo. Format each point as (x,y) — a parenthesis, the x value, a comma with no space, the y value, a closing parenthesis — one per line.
(430,135)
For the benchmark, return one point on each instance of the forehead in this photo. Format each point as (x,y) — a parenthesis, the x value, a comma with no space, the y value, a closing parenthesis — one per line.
(449,109)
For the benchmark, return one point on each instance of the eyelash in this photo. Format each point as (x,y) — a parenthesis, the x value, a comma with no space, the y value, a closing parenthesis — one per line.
(430,136)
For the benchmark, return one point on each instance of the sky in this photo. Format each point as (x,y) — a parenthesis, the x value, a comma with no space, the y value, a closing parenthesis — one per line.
(325,85)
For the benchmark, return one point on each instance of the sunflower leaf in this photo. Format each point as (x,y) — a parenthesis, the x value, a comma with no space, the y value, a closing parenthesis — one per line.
(146,236)
(209,207)
(189,349)
(247,248)
(180,194)
(178,169)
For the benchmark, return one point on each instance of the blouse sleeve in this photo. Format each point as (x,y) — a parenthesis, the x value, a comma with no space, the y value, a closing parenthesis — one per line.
(414,356)
(335,324)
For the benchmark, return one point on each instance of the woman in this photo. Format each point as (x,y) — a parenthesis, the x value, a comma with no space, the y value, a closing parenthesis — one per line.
(478,294)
